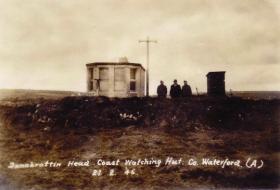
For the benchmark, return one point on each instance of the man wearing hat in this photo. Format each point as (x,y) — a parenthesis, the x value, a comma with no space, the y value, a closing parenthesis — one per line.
(186,90)
(161,90)
(175,90)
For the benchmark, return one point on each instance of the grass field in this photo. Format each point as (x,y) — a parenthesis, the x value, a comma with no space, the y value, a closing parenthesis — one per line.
(88,128)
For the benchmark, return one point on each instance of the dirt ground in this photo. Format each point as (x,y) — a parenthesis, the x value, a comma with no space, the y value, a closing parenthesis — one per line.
(85,128)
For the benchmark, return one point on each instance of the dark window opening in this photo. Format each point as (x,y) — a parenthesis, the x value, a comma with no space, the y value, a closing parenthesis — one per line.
(133,79)
(91,73)
(91,86)
(132,86)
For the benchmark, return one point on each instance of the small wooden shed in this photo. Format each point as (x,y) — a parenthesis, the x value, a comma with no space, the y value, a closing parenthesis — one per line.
(115,79)
(216,83)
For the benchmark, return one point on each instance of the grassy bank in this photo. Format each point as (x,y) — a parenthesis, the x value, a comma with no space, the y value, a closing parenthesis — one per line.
(90,128)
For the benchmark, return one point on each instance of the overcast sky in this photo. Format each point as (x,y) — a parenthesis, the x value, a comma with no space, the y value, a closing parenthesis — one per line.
(45,44)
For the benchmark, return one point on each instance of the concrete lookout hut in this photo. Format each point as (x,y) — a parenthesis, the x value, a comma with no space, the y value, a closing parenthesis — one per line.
(116,79)
(216,83)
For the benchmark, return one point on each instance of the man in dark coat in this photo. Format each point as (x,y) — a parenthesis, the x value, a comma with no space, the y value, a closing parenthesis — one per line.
(161,90)
(175,90)
(186,90)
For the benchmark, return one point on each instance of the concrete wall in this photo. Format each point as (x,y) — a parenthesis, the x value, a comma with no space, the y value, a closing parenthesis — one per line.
(142,82)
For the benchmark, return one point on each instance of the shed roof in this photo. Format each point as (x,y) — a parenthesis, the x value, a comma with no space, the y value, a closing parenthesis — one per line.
(215,73)
(115,63)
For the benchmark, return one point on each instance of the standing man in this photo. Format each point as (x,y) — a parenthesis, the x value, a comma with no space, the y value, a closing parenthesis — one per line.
(175,90)
(186,90)
(161,90)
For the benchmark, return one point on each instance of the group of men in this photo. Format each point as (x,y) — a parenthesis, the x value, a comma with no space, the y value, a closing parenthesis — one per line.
(175,91)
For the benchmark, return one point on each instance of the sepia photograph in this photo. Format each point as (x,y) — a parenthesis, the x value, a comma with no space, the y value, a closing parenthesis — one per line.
(139,94)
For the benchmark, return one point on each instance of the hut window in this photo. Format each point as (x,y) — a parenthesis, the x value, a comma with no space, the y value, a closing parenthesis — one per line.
(133,79)
(90,86)
(133,74)
(91,73)
(132,85)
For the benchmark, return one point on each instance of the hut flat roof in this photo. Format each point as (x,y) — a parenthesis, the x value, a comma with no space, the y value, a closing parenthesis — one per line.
(216,72)
(115,63)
